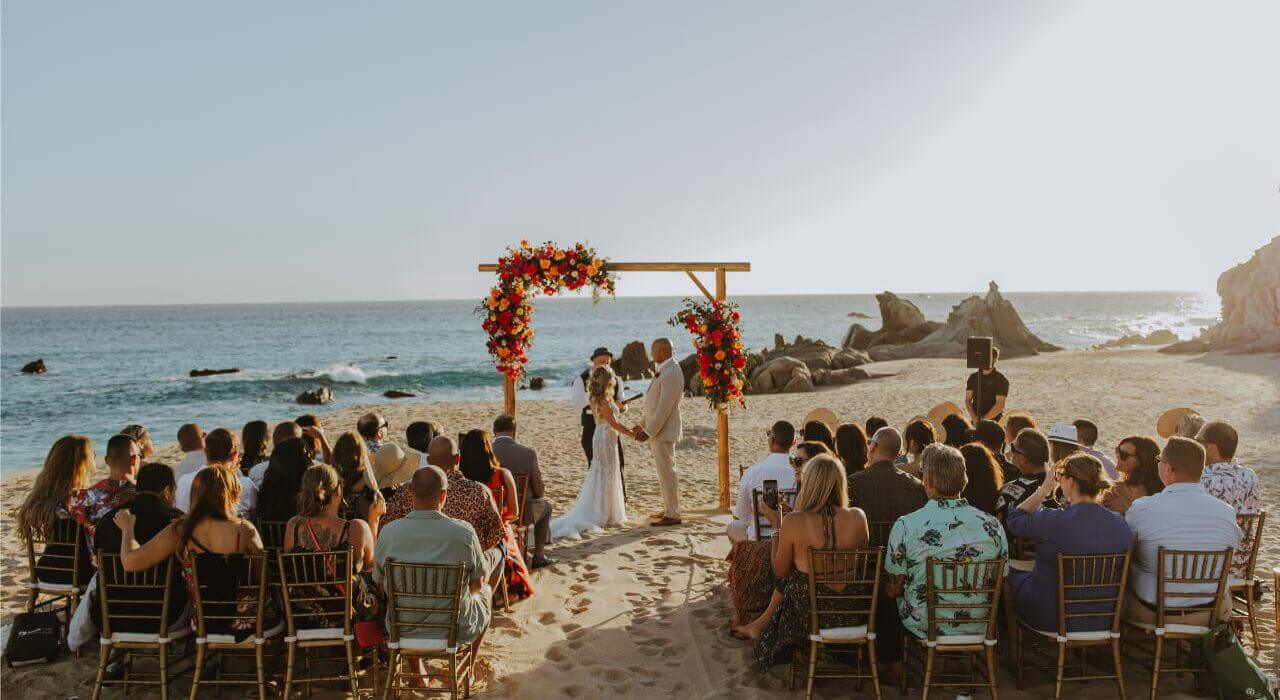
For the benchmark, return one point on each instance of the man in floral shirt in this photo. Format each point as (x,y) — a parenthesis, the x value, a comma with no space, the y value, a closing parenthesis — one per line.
(88,506)
(1235,485)
(947,527)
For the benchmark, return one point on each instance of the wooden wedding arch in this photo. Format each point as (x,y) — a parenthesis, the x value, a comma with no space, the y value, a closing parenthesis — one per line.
(689,268)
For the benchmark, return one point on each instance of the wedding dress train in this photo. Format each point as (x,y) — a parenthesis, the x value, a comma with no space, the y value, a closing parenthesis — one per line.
(600,503)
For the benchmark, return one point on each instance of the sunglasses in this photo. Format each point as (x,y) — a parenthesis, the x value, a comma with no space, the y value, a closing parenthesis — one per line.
(797,459)
(1121,454)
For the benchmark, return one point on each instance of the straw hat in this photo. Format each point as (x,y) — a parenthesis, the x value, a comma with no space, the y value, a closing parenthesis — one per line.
(1167,423)
(393,465)
(823,415)
(1004,418)
(942,410)
(939,433)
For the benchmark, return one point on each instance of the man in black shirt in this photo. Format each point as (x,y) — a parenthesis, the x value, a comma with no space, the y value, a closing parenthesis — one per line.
(988,386)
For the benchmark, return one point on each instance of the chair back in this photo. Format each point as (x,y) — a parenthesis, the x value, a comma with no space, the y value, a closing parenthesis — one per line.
(219,583)
(1189,574)
(424,597)
(60,555)
(137,601)
(878,533)
(1090,590)
(843,587)
(272,532)
(1251,528)
(963,597)
(522,495)
(316,589)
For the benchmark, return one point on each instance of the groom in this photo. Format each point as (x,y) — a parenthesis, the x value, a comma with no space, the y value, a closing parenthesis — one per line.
(661,428)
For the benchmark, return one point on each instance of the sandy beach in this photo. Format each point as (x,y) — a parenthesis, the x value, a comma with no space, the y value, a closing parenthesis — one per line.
(641,611)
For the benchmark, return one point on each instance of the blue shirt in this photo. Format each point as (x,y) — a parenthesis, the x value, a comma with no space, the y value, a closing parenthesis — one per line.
(1182,516)
(1084,528)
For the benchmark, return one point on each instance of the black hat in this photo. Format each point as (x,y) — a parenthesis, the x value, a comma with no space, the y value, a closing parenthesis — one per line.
(600,351)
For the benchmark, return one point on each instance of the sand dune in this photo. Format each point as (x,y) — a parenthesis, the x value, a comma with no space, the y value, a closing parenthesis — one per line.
(641,611)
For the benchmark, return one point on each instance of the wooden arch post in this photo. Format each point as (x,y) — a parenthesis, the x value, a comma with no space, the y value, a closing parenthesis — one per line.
(689,268)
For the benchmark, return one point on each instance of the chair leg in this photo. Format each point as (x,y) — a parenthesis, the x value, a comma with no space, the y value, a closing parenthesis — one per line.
(453,677)
(393,659)
(259,658)
(290,650)
(1018,641)
(1062,663)
(163,659)
(1155,666)
(812,670)
(1115,657)
(104,654)
(197,671)
(1253,619)
(928,673)
(352,677)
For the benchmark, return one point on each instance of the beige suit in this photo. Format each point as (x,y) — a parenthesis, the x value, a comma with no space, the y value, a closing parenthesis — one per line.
(662,424)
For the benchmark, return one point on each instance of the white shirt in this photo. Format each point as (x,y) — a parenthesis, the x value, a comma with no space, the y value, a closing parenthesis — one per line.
(191,463)
(248,493)
(1182,516)
(258,472)
(776,466)
(1107,465)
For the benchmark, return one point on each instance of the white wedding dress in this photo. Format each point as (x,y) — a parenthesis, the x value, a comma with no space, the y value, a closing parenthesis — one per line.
(600,503)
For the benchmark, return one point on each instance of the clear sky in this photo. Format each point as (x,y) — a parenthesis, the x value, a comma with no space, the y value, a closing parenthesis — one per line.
(171,152)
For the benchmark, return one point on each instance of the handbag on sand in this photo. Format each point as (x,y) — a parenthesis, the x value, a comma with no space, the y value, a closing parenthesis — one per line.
(1236,675)
(36,637)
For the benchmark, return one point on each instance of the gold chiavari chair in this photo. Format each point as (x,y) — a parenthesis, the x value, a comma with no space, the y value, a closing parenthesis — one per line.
(1241,588)
(522,500)
(272,533)
(959,593)
(844,585)
(878,532)
(227,627)
(136,622)
(425,599)
(58,564)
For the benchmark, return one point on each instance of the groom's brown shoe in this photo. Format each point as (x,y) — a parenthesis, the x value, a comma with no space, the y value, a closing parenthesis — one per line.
(664,521)
(659,514)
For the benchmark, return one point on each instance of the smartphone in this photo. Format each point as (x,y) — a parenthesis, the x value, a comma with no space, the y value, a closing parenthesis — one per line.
(770,495)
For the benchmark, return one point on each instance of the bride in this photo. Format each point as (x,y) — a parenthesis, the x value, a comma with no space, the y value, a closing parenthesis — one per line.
(600,503)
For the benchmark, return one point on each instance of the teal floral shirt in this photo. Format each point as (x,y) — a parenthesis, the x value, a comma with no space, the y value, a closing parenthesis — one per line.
(942,529)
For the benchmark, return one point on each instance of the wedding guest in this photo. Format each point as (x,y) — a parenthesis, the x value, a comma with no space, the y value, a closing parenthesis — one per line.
(419,435)
(307,420)
(991,434)
(88,506)
(851,448)
(1029,453)
(255,443)
(873,424)
(394,465)
(1016,422)
(1183,517)
(984,476)
(1087,433)
(1084,526)
(958,430)
(221,452)
(822,519)
(805,451)
(883,491)
(191,440)
(359,494)
(947,527)
(1189,425)
(468,501)
(1064,441)
(988,386)
(278,499)
(918,435)
(521,460)
(286,430)
(427,535)
(775,466)
(66,470)
(478,463)
(374,429)
(310,425)
(1231,483)
(1138,460)
(318,527)
(143,436)
(817,431)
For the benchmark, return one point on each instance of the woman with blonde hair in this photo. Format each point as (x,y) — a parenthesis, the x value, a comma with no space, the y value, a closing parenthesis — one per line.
(66,470)
(821,519)
(318,526)
(600,503)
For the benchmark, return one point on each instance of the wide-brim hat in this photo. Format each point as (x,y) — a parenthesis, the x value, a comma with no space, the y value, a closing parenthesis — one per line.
(1004,417)
(939,413)
(600,351)
(824,416)
(1065,433)
(939,433)
(393,465)
(1167,423)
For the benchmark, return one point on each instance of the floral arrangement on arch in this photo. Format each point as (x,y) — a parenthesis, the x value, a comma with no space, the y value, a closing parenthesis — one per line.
(718,342)
(526,271)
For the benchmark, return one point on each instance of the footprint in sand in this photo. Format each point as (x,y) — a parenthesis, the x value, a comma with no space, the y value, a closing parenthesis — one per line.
(572,691)
(581,606)
(593,576)
(547,618)
(570,627)
(590,567)
(577,588)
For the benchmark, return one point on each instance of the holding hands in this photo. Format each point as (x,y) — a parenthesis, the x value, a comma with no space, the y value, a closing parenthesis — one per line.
(639,434)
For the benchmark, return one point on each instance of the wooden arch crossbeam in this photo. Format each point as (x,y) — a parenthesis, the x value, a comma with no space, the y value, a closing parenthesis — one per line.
(689,268)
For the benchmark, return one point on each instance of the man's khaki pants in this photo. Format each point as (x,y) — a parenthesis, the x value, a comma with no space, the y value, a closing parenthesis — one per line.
(664,458)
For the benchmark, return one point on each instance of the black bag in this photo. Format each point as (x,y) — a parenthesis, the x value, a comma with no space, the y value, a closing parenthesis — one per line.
(34,638)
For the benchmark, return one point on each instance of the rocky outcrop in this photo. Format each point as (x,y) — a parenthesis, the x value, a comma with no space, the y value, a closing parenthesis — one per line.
(211,372)
(316,397)
(802,365)
(781,375)
(634,362)
(692,382)
(1250,295)
(900,322)
(992,315)
(1162,336)
(35,367)
(815,354)
(398,394)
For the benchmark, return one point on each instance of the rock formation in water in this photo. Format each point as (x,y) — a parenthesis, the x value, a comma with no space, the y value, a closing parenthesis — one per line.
(801,365)
(900,322)
(211,372)
(1250,295)
(1162,336)
(398,394)
(316,397)
(991,315)
(35,367)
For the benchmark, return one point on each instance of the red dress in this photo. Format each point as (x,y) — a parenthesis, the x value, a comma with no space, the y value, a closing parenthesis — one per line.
(519,585)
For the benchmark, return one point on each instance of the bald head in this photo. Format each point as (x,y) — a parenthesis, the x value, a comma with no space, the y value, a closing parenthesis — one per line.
(443,453)
(661,350)
(888,442)
(429,486)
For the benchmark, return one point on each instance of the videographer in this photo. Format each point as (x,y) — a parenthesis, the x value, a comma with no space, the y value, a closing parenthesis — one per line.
(988,386)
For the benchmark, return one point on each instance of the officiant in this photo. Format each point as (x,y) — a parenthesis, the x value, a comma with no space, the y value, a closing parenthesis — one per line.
(601,356)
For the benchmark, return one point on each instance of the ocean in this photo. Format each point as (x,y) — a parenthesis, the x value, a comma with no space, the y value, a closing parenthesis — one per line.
(112,366)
